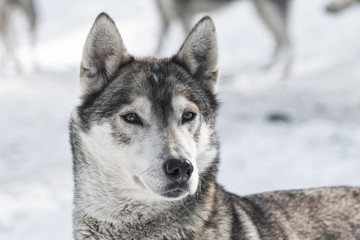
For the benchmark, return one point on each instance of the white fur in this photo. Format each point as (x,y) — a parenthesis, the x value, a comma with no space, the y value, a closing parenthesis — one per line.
(206,152)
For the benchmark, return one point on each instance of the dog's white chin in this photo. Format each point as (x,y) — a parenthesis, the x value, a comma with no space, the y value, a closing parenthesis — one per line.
(174,195)
(166,194)
(170,195)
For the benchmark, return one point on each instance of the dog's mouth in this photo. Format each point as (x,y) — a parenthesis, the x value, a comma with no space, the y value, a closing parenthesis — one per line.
(175,190)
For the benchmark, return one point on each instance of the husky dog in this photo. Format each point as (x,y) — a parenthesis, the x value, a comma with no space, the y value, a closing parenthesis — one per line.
(339,5)
(145,154)
(7,10)
(274,14)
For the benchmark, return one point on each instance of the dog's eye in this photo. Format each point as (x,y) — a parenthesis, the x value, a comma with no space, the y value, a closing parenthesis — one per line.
(188,116)
(132,118)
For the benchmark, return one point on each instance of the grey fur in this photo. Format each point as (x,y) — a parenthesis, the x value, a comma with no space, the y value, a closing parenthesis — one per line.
(111,203)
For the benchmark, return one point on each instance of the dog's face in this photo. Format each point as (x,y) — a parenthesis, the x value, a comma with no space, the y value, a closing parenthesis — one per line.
(145,126)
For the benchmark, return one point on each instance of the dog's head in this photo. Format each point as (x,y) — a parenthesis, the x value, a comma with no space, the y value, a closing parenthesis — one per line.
(145,126)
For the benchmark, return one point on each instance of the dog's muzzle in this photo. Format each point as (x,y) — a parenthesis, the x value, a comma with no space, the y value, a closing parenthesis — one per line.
(178,171)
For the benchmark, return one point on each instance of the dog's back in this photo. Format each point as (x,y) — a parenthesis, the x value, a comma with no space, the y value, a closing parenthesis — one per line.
(322,213)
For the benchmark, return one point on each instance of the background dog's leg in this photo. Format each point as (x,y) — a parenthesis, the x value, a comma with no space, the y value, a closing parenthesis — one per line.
(165,22)
(12,50)
(10,59)
(32,19)
(3,47)
(170,10)
(185,20)
(167,14)
(275,18)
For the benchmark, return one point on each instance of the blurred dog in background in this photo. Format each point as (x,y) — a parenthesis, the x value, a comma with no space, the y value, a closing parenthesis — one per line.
(8,8)
(339,5)
(274,13)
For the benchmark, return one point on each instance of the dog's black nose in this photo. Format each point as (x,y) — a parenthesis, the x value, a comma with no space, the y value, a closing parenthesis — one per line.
(179,170)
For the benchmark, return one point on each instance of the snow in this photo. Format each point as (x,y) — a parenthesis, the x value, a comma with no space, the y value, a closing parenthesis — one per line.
(318,145)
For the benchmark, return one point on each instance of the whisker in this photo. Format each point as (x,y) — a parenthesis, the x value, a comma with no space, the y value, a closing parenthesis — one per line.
(146,170)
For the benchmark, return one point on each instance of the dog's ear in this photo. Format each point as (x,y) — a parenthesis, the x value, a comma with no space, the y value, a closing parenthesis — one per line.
(199,53)
(103,53)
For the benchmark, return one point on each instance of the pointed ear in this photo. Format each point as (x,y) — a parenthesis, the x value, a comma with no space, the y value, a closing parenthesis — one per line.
(199,53)
(103,53)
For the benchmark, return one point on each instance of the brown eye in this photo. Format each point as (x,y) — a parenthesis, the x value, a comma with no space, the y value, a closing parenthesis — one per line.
(132,118)
(188,116)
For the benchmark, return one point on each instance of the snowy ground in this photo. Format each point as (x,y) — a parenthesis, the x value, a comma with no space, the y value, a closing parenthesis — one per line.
(318,146)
